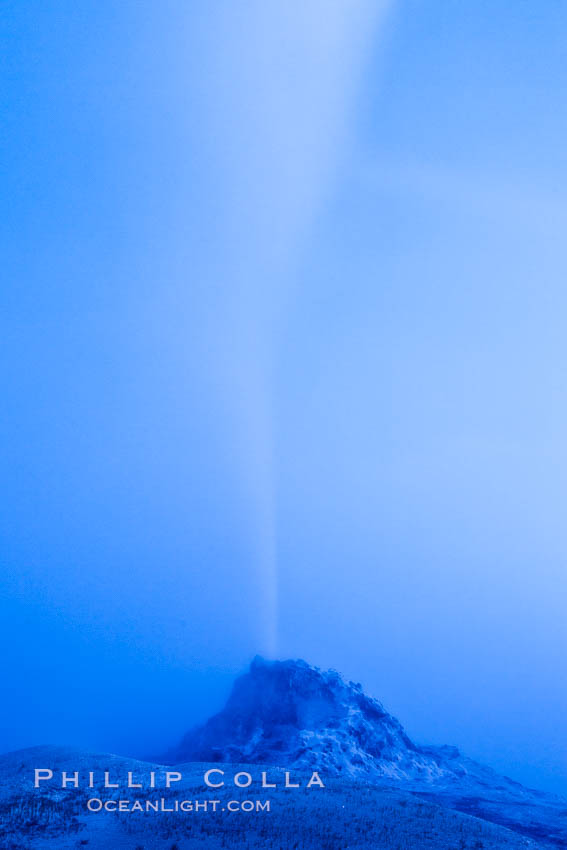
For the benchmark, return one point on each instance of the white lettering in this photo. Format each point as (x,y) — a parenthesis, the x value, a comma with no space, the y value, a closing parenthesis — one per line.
(170,777)
(214,784)
(48,774)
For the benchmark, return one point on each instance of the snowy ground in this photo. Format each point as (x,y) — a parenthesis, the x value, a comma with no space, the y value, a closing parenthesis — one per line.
(344,814)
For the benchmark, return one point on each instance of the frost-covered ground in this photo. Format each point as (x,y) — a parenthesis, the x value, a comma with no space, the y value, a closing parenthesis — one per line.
(382,789)
(298,716)
(345,814)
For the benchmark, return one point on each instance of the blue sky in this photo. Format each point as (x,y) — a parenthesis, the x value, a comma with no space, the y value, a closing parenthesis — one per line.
(284,357)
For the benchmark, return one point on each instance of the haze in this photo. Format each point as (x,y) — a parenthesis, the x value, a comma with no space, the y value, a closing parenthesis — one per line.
(283,323)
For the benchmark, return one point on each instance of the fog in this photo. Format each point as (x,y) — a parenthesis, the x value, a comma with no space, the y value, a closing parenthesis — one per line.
(284,367)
